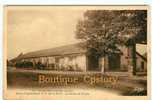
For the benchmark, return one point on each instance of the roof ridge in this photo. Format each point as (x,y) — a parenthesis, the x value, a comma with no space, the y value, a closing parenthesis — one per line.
(65,49)
(53,48)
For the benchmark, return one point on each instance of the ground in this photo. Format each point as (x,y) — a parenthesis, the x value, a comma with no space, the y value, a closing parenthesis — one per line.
(25,78)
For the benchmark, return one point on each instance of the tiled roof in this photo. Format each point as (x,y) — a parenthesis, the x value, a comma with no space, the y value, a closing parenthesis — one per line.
(58,51)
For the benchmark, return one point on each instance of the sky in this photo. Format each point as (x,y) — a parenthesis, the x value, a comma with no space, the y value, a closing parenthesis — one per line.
(36,28)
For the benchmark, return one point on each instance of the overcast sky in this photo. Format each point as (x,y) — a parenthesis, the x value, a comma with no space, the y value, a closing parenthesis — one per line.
(36,28)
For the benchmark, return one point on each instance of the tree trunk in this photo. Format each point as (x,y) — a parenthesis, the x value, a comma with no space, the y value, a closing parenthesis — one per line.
(103,65)
(133,58)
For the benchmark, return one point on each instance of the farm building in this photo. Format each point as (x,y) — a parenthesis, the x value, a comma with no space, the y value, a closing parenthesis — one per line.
(75,58)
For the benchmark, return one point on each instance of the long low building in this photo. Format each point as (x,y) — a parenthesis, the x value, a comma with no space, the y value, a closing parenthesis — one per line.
(76,58)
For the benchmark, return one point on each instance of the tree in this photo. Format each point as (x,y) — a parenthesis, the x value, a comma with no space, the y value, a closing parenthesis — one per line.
(104,30)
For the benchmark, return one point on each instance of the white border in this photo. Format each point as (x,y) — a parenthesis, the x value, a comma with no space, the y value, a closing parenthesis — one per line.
(61,2)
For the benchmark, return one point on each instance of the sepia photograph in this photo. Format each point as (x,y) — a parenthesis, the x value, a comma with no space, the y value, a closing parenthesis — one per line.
(99,49)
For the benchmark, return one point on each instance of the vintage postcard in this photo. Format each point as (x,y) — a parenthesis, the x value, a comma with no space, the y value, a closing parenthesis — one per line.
(76,52)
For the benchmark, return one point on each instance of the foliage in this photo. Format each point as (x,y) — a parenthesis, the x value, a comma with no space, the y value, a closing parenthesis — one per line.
(104,30)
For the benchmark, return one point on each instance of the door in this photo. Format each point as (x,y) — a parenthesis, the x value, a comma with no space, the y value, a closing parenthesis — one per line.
(114,62)
(93,63)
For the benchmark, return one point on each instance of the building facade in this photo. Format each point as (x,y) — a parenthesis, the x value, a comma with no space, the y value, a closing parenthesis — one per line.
(75,58)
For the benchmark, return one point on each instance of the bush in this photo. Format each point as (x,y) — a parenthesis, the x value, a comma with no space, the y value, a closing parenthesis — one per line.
(25,64)
(39,65)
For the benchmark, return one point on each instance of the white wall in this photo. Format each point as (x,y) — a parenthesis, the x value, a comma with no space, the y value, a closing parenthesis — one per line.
(81,61)
(72,60)
(75,60)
